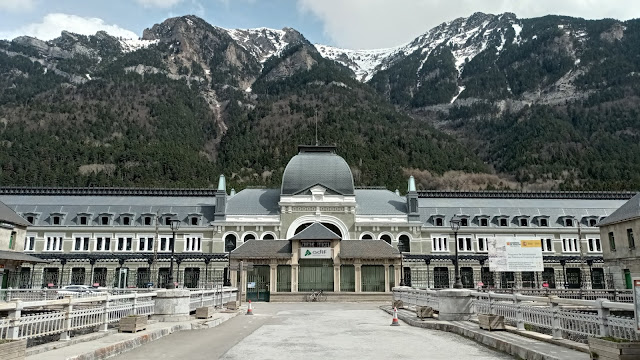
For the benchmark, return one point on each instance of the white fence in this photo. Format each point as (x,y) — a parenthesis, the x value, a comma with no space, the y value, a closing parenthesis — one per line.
(215,297)
(617,295)
(55,294)
(563,318)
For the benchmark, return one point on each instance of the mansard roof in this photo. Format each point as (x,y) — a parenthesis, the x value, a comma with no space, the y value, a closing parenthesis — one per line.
(317,165)
(379,202)
(254,202)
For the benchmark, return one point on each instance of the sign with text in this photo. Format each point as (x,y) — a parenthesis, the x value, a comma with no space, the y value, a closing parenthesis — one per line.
(507,254)
(315,253)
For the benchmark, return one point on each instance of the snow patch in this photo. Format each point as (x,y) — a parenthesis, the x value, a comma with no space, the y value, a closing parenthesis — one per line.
(460,90)
(130,45)
(518,29)
(253,40)
(88,76)
(248,89)
(577,62)
(534,37)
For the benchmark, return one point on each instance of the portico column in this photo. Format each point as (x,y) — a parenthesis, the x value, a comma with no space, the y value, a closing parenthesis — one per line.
(336,278)
(234,277)
(243,283)
(396,273)
(273,282)
(294,278)
(386,277)
(358,275)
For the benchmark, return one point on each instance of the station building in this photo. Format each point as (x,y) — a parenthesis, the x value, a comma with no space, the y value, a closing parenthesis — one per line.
(316,232)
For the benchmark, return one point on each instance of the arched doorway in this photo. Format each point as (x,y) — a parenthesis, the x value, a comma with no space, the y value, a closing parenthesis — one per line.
(404,244)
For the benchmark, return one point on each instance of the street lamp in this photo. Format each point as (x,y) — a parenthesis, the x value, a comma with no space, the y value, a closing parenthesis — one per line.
(455,226)
(228,247)
(175,225)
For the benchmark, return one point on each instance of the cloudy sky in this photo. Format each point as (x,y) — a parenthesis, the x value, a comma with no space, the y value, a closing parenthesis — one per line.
(361,24)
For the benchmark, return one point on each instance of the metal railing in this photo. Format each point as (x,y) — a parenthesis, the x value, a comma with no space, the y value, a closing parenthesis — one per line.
(55,294)
(615,295)
(27,320)
(561,317)
(214,297)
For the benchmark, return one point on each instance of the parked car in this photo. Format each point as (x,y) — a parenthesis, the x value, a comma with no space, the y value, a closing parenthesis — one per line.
(79,291)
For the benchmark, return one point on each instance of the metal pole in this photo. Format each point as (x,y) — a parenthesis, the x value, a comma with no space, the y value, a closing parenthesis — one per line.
(458,283)
(401,270)
(170,283)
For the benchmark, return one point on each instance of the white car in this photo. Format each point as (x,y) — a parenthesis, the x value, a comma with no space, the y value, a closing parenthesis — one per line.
(79,291)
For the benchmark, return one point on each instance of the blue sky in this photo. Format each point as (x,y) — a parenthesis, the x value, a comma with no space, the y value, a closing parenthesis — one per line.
(344,23)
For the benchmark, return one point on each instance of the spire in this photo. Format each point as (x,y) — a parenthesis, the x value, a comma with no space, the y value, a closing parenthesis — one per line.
(412,184)
(222,184)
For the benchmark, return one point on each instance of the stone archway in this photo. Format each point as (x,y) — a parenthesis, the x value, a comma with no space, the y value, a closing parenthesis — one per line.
(324,219)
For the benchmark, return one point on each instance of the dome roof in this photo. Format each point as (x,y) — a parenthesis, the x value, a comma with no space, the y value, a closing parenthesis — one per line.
(317,165)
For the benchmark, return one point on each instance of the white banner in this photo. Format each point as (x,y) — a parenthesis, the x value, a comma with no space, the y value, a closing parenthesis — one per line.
(514,255)
(315,253)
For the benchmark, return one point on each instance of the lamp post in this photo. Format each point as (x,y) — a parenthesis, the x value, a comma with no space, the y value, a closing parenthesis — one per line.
(175,225)
(455,226)
(227,280)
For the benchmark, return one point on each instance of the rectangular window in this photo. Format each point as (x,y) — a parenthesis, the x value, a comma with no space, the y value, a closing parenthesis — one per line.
(439,244)
(125,243)
(504,222)
(484,222)
(31,219)
(147,220)
(104,220)
(103,243)
(464,244)
(126,221)
(192,243)
(81,243)
(594,245)
(482,245)
(439,221)
(53,243)
(464,222)
(194,221)
(165,243)
(544,222)
(524,222)
(547,245)
(570,245)
(568,222)
(12,240)
(632,241)
(592,222)
(145,243)
(30,243)
(83,220)
(56,220)
(612,242)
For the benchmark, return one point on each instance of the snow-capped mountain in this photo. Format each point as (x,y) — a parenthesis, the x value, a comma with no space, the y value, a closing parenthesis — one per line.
(263,43)
(467,37)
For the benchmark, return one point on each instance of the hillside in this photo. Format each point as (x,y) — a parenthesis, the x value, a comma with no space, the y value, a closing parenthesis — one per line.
(488,101)
(189,101)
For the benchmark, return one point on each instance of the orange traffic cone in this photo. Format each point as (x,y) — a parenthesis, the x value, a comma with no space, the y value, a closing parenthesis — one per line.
(395,322)
(249,309)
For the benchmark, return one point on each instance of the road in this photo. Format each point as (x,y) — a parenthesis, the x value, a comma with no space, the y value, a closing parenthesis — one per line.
(312,331)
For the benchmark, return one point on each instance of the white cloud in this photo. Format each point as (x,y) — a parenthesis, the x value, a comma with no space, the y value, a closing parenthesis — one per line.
(17,5)
(164,4)
(386,23)
(53,24)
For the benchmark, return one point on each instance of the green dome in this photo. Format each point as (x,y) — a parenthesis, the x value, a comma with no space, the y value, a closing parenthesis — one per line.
(317,166)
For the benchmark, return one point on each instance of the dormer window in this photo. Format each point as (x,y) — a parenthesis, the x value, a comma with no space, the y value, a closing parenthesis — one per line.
(31,219)
(543,222)
(126,221)
(56,220)
(593,222)
(83,220)
(464,222)
(524,222)
(504,222)
(194,221)
(146,220)
(483,221)
(439,221)
(568,222)
(104,220)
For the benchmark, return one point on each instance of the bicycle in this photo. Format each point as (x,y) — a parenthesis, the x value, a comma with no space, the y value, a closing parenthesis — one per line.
(316,296)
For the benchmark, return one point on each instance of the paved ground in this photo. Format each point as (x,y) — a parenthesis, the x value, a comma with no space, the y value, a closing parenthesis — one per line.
(313,331)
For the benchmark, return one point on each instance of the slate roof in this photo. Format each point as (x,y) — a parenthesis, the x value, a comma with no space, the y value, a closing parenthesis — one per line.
(379,202)
(554,209)
(7,215)
(259,249)
(317,168)
(316,231)
(254,202)
(72,205)
(367,249)
(19,256)
(630,210)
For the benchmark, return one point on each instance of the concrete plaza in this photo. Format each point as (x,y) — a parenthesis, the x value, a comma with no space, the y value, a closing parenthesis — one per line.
(312,331)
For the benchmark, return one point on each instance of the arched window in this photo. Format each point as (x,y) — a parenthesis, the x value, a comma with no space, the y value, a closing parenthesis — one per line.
(230,242)
(268,237)
(404,244)
(367,237)
(386,238)
(249,237)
